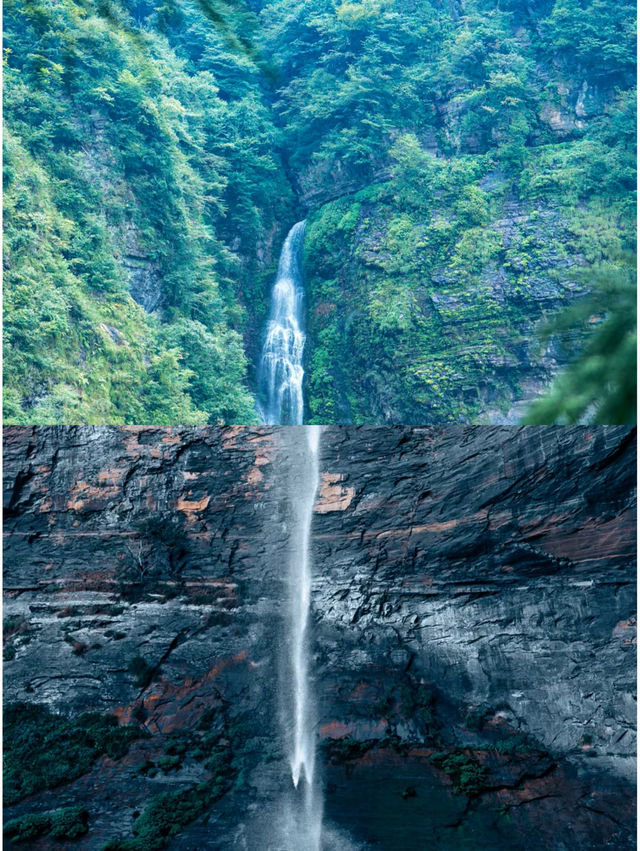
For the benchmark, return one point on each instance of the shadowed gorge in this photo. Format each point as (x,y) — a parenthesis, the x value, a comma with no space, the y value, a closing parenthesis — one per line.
(466,171)
(471,635)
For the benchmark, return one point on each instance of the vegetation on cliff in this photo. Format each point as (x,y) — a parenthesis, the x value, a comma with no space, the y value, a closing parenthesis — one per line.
(141,171)
(43,750)
(493,157)
(170,812)
(458,163)
(67,823)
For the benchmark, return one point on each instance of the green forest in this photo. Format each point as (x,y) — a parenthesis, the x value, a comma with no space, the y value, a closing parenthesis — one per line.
(466,169)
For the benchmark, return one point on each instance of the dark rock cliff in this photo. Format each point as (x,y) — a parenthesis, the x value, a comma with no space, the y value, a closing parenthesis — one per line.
(474,624)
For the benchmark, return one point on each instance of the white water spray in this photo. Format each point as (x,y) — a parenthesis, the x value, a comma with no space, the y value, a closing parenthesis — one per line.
(303,756)
(281,374)
(304,827)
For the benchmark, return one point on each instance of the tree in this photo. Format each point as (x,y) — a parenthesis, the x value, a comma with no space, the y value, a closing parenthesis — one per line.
(600,386)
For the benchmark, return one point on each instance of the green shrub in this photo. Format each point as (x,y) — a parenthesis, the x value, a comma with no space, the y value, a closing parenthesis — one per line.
(168,813)
(146,768)
(27,827)
(177,744)
(474,719)
(466,773)
(43,750)
(513,745)
(67,823)
(169,763)
(338,751)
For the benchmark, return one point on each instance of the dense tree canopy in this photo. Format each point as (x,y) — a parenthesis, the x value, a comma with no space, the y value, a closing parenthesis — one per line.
(459,164)
(138,145)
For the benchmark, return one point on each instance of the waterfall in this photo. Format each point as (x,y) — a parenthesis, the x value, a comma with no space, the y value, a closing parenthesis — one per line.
(303,822)
(302,757)
(280,374)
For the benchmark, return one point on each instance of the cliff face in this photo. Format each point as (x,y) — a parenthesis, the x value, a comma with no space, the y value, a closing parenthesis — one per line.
(438,248)
(493,565)
(473,626)
(408,326)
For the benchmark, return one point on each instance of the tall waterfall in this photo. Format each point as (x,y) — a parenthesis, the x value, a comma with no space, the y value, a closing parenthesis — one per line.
(281,373)
(303,828)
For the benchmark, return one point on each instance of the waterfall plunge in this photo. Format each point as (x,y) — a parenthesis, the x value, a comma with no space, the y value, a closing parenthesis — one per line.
(281,373)
(303,828)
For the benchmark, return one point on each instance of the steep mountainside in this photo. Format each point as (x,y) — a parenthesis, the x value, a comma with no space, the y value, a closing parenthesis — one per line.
(473,627)
(467,168)
(145,198)
(480,153)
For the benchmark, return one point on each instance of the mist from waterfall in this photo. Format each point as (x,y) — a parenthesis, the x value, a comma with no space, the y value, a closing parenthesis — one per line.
(280,374)
(303,813)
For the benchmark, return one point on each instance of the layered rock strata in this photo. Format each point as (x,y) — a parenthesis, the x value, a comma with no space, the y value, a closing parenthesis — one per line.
(473,620)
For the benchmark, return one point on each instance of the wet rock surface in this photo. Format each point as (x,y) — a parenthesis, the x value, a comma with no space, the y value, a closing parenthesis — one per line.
(474,625)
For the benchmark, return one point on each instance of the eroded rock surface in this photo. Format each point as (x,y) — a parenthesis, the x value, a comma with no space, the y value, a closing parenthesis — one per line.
(473,599)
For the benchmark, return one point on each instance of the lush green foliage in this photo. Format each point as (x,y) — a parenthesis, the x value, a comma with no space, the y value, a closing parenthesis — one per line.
(474,160)
(137,146)
(489,154)
(340,751)
(418,703)
(601,385)
(43,750)
(67,823)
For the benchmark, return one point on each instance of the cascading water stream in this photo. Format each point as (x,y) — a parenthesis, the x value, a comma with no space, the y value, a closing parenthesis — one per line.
(281,374)
(303,756)
(303,831)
